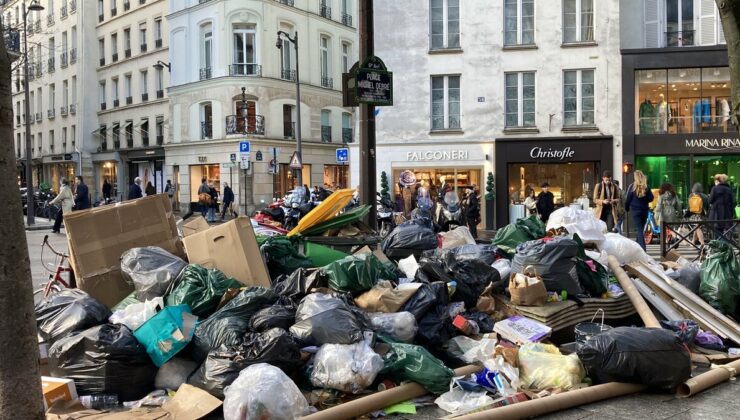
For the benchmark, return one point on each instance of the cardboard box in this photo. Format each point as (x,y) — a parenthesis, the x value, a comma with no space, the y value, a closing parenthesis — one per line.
(97,237)
(195,225)
(57,389)
(232,248)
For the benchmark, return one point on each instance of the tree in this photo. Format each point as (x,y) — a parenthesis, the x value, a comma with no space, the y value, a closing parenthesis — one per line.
(384,188)
(490,187)
(729,12)
(20,384)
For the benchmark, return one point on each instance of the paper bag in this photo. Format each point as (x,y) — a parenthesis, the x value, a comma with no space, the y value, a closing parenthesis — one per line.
(531,293)
(384,298)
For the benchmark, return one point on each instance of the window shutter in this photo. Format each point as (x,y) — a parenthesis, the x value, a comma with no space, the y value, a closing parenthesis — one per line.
(720,30)
(707,23)
(652,23)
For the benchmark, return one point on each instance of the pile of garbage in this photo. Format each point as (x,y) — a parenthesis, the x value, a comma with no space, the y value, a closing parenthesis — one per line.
(265,330)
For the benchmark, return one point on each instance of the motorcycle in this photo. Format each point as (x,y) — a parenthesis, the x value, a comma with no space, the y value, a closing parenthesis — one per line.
(297,207)
(423,210)
(449,213)
(385,220)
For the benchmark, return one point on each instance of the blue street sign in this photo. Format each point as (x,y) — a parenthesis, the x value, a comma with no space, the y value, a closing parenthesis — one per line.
(244,147)
(342,155)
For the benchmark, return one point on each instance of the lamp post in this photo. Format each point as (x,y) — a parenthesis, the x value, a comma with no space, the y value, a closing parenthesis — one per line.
(279,45)
(161,65)
(30,203)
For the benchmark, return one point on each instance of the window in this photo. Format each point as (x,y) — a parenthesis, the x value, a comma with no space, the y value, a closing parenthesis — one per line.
(206,49)
(347,12)
(127,88)
(73,134)
(345,57)
(113,9)
(127,42)
(578,97)
(142,37)
(286,61)
(114,47)
(52,97)
(144,131)
(64,42)
(288,124)
(325,57)
(114,91)
(158,32)
(101,51)
(445,102)
(519,22)
(64,139)
(65,94)
(74,92)
(101,12)
(160,81)
(101,94)
(578,21)
(128,130)
(143,83)
(326,126)
(520,99)
(347,127)
(245,51)
(680,21)
(51,140)
(159,129)
(206,120)
(116,135)
(445,31)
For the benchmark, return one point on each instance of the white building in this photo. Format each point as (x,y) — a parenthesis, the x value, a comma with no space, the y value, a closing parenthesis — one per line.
(526,90)
(221,47)
(132,105)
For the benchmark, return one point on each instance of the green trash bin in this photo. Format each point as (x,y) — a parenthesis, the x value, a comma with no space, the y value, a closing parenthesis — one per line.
(321,255)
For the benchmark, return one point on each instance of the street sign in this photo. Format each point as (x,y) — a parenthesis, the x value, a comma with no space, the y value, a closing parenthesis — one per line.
(228,165)
(342,155)
(245,147)
(295,161)
(245,161)
(259,156)
(232,157)
(374,83)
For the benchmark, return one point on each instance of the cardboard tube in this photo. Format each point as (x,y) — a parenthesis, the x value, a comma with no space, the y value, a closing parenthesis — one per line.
(382,399)
(635,297)
(557,402)
(708,379)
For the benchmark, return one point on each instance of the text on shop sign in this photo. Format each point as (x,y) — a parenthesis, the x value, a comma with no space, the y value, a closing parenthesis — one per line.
(437,155)
(714,143)
(549,153)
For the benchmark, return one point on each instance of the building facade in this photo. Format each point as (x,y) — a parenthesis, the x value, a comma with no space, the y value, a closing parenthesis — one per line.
(230,83)
(677,102)
(132,105)
(525,90)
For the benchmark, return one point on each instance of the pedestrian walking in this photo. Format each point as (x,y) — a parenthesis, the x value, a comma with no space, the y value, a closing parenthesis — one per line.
(606,198)
(169,189)
(213,208)
(698,211)
(65,199)
(150,190)
(472,212)
(530,203)
(545,202)
(722,205)
(134,191)
(228,201)
(637,203)
(107,190)
(668,208)
(82,194)
(204,197)
(620,208)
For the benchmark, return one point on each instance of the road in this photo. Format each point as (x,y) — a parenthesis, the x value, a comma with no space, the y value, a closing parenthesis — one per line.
(35,238)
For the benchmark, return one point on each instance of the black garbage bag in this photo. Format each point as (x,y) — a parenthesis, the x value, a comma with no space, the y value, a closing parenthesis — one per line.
(222,366)
(688,276)
(200,288)
(485,322)
(279,315)
(411,234)
(685,329)
(229,324)
(485,253)
(106,359)
(432,269)
(325,319)
(472,277)
(554,260)
(358,273)
(299,284)
(435,327)
(150,270)
(282,257)
(649,356)
(68,311)
(420,302)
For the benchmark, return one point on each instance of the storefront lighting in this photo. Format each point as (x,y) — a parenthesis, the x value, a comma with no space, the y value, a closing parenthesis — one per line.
(627,167)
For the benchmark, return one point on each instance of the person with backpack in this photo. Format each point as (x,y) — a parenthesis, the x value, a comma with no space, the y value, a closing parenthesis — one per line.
(698,211)
(668,209)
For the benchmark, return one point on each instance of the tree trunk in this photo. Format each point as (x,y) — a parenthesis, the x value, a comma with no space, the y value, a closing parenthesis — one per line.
(20,385)
(729,12)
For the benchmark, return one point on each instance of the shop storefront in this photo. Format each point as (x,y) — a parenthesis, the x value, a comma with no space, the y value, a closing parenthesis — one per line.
(58,167)
(212,175)
(336,176)
(108,166)
(147,164)
(572,166)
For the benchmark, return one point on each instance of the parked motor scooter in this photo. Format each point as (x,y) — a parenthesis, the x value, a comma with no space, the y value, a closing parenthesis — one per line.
(423,210)
(449,213)
(297,207)
(385,219)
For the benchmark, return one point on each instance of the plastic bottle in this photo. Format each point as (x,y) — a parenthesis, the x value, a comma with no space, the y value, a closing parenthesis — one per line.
(451,287)
(100,401)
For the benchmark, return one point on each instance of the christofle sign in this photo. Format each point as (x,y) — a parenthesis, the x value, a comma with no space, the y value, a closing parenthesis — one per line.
(550,153)
(432,155)
(714,144)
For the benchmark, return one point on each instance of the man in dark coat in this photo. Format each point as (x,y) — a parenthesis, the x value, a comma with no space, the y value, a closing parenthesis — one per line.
(228,201)
(545,203)
(134,191)
(722,204)
(472,212)
(107,190)
(82,194)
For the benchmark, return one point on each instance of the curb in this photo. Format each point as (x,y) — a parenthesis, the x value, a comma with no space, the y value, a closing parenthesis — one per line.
(38,227)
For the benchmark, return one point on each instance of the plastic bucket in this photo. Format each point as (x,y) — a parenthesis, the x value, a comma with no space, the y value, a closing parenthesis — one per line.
(586,330)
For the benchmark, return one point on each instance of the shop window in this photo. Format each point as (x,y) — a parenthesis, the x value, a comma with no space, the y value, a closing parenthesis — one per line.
(520,99)
(578,97)
(568,181)
(706,167)
(715,91)
(336,176)
(445,24)
(652,109)
(519,22)
(661,169)
(578,21)
(286,179)
(445,103)
(212,174)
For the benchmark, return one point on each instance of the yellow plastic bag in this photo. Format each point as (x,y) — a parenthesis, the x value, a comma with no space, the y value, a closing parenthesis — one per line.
(541,366)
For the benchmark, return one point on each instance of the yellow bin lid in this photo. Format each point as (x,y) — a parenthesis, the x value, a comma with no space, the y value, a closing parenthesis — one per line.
(324,211)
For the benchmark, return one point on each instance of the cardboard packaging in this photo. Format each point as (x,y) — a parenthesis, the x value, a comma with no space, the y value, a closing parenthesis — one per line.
(195,225)
(231,248)
(97,237)
(57,389)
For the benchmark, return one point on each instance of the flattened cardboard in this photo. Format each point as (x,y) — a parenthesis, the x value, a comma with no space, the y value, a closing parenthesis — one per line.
(191,403)
(57,389)
(231,248)
(97,237)
(195,225)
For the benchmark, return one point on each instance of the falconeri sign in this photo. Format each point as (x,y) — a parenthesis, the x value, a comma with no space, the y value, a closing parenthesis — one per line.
(437,155)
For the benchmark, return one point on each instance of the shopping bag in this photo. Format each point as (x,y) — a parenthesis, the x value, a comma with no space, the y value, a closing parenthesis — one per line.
(527,288)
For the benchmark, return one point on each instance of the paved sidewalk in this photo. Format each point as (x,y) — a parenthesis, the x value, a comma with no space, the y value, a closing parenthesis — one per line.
(39,224)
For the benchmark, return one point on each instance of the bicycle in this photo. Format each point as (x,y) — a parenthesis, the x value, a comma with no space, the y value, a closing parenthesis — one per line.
(56,283)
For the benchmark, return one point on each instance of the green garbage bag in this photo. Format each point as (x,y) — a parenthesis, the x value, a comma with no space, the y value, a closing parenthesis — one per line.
(200,288)
(358,273)
(591,274)
(526,229)
(720,277)
(282,256)
(409,362)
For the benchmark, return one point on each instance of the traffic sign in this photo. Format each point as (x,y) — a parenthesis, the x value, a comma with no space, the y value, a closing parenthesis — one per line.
(232,157)
(245,147)
(295,161)
(245,161)
(342,155)
(228,165)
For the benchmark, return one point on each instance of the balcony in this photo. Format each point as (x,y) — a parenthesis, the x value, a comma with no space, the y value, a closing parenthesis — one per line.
(160,94)
(346,19)
(129,141)
(101,18)
(72,6)
(103,105)
(127,53)
(103,146)
(113,12)
(254,124)
(102,61)
(245,69)
(347,135)
(290,3)
(116,144)
(39,70)
(158,43)
(73,56)
(326,134)
(679,39)
(327,82)
(63,111)
(206,130)
(73,109)
(50,65)
(116,103)
(144,97)
(142,48)
(114,57)
(129,100)
(160,140)
(50,20)
(145,140)
(126,5)
(63,11)
(64,59)
(50,113)
(288,75)
(324,10)
(288,130)
(205,73)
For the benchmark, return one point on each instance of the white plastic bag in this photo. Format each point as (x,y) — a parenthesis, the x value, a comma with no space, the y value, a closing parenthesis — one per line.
(457,399)
(542,366)
(346,367)
(476,350)
(263,391)
(457,237)
(174,373)
(602,257)
(623,249)
(399,326)
(582,222)
(507,383)
(503,266)
(409,266)
(135,315)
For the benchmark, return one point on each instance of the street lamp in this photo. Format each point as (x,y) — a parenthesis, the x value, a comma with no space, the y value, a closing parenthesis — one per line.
(279,45)
(161,65)
(30,203)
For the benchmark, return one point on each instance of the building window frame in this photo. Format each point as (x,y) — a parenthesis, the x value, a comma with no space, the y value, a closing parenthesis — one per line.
(520,88)
(519,20)
(581,96)
(580,28)
(444,32)
(451,121)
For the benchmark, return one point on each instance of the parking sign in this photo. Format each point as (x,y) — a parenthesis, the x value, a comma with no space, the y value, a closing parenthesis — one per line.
(244,147)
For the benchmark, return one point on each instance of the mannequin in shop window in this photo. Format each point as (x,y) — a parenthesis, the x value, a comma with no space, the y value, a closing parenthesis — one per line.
(664,113)
(724,112)
(647,117)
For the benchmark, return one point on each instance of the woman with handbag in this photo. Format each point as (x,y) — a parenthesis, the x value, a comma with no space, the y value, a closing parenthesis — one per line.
(204,197)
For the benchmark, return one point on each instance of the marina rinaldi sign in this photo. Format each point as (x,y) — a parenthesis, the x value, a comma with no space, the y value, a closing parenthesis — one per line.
(374,83)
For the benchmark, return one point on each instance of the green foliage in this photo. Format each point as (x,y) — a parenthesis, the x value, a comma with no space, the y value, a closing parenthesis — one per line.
(45,186)
(384,187)
(490,187)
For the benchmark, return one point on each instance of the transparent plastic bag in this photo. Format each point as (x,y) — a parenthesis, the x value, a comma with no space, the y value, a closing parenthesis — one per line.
(136,314)
(457,237)
(624,249)
(457,400)
(409,266)
(507,376)
(174,373)
(263,391)
(150,270)
(542,366)
(346,367)
(475,350)
(399,326)
(503,266)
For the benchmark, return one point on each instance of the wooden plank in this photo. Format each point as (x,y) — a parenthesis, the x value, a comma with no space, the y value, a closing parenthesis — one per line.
(663,306)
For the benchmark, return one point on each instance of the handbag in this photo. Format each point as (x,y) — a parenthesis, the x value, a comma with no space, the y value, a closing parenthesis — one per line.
(527,288)
(204,198)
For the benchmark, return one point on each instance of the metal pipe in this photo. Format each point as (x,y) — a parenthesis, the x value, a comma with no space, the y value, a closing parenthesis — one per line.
(30,203)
